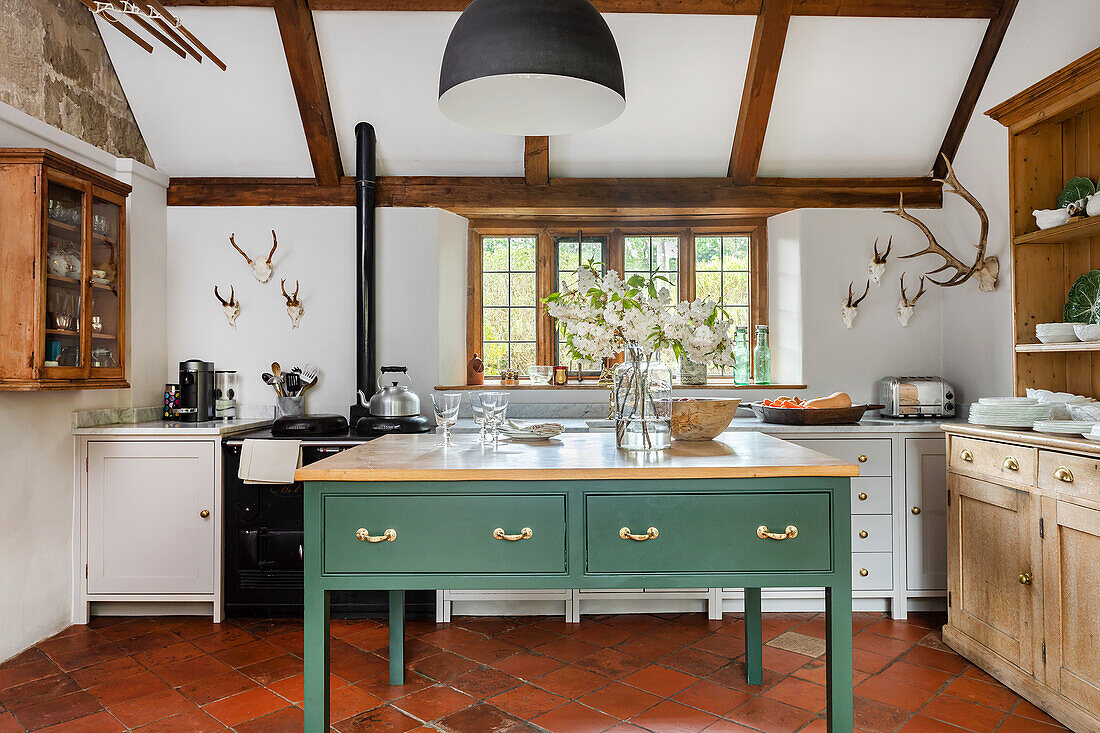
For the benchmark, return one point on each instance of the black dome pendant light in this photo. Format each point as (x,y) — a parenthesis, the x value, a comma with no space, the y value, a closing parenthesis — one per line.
(531,67)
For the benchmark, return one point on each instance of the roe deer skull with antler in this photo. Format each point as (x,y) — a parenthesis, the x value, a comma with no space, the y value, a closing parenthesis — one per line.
(848,313)
(294,307)
(876,266)
(262,271)
(231,307)
(906,305)
(987,269)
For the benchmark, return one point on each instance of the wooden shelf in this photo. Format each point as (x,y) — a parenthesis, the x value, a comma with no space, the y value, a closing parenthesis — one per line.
(1057,348)
(60,332)
(103,238)
(1077,229)
(70,282)
(104,336)
(591,384)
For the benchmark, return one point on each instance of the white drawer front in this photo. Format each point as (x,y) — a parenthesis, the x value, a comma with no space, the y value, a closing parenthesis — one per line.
(879,569)
(874,451)
(871,495)
(878,528)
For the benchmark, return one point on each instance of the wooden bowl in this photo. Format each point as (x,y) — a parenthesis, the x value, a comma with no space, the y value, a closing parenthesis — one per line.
(819,416)
(701,418)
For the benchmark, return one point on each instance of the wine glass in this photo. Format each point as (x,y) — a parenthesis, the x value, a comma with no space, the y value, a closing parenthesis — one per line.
(495,405)
(479,419)
(446,412)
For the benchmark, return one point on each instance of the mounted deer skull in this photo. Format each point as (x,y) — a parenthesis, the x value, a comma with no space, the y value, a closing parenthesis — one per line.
(848,313)
(986,268)
(231,308)
(294,307)
(906,305)
(262,271)
(876,266)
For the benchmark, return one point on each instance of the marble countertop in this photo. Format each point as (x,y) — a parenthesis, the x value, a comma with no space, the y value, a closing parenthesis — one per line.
(213,428)
(753,424)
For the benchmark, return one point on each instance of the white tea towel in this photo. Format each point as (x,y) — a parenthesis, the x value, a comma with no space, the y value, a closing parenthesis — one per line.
(269,461)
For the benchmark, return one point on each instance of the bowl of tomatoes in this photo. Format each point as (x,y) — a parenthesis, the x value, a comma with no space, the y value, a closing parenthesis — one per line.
(836,409)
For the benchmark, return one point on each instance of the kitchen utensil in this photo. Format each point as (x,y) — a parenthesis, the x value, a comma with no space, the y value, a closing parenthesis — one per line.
(446,406)
(811,416)
(293,382)
(702,418)
(271,381)
(196,390)
(916,397)
(395,408)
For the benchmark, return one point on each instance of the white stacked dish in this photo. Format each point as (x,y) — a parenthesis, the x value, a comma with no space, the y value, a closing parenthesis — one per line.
(1087,331)
(518,430)
(1063,427)
(1056,333)
(1065,405)
(1094,435)
(1008,412)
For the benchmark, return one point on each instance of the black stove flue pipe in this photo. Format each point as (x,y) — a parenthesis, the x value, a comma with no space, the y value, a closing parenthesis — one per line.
(366,181)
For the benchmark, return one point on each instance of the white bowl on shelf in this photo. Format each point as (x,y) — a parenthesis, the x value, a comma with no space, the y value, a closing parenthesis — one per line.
(1056,333)
(1087,331)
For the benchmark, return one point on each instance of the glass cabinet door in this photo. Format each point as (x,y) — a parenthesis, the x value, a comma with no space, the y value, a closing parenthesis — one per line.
(106,325)
(64,355)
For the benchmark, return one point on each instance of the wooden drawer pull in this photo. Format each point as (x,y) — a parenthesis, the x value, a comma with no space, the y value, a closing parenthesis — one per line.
(363,535)
(966,455)
(1063,474)
(1011,464)
(650,534)
(524,534)
(788,534)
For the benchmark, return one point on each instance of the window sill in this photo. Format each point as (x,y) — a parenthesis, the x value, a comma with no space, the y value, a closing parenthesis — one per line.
(591,384)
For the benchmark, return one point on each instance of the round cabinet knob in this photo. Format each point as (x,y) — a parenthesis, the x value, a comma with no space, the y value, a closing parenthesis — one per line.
(204,513)
(863,572)
(863,534)
(1026,578)
(863,496)
(862,458)
(915,510)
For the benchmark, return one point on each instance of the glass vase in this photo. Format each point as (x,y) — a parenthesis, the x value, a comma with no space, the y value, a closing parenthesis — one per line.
(643,402)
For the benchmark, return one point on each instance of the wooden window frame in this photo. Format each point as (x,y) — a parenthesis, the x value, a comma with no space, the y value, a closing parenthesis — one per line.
(615,231)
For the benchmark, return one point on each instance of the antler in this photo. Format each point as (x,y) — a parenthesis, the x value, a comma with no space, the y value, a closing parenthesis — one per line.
(220,298)
(983,218)
(963,271)
(880,259)
(234,243)
(851,295)
(290,300)
(274,246)
(916,297)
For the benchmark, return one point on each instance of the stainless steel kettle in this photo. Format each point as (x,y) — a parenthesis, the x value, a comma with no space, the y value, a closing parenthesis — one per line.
(394,399)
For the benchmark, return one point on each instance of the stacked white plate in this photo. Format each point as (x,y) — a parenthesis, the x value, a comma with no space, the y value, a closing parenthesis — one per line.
(1008,412)
(1094,435)
(1063,427)
(1055,333)
(517,430)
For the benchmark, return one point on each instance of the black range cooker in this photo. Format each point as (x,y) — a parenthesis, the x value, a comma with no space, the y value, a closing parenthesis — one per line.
(263,539)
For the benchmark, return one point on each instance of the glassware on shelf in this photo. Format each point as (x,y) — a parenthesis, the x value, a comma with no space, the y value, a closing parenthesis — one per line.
(495,405)
(643,402)
(762,358)
(741,374)
(446,412)
(479,419)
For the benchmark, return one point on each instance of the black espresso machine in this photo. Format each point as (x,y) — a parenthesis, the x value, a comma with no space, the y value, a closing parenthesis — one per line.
(196,391)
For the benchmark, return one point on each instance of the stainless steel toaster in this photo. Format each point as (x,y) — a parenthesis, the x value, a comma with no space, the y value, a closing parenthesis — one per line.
(916,397)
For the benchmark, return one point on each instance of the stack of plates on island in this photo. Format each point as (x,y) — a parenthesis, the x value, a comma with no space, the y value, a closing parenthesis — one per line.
(1063,427)
(1008,412)
(1055,333)
(519,430)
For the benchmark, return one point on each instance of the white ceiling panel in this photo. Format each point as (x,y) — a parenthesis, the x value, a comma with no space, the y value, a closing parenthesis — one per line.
(684,76)
(383,68)
(866,96)
(200,121)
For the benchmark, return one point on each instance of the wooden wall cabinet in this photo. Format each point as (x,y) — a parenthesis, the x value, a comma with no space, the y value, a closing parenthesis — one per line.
(62,274)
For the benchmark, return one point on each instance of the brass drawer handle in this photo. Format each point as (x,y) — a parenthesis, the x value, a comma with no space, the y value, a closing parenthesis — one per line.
(863,496)
(788,534)
(863,534)
(1011,464)
(524,534)
(650,534)
(863,572)
(363,535)
(966,455)
(1063,474)
(862,458)
(1026,578)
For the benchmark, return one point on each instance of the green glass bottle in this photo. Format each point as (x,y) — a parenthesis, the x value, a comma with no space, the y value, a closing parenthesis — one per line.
(741,354)
(762,358)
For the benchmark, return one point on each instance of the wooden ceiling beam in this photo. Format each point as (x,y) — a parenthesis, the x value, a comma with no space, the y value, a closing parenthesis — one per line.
(852,8)
(536,160)
(756,99)
(574,197)
(303,58)
(979,72)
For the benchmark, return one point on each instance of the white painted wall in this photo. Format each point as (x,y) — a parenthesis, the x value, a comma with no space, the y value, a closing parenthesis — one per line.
(36,446)
(418,249)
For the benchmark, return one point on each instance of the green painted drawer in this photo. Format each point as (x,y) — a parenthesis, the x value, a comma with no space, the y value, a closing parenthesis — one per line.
(707,533)
(463,525)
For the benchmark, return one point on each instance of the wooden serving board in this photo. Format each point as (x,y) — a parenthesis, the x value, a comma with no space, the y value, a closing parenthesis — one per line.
(812,416)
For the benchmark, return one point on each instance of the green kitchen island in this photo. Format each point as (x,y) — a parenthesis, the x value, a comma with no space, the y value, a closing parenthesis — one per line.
(747,510)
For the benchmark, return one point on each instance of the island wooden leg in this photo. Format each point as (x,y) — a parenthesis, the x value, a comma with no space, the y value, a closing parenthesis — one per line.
(397,637)
(316,643)
(838,659)
(754,640)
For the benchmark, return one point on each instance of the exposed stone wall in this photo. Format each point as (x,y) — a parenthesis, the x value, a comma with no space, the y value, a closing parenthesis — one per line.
(54,66)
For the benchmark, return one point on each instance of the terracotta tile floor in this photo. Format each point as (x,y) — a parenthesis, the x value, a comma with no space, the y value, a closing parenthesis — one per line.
(660,673)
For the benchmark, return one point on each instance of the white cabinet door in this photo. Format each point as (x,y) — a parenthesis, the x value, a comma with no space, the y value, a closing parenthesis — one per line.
(926,513)
(146,532)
